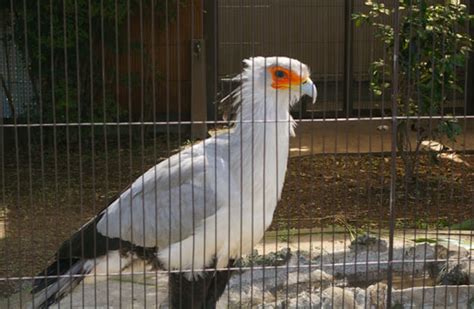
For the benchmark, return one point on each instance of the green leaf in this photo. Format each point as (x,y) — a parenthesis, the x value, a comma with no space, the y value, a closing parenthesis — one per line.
(450,128)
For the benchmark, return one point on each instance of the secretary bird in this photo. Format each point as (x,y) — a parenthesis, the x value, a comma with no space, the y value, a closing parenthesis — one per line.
(200,209)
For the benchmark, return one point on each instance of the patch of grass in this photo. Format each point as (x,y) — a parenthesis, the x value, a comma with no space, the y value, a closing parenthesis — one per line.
(467,225)
(422,224)
(278,258)
(283,237)
(425,240)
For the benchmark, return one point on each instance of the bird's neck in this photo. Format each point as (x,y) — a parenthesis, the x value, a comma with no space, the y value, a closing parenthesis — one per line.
(269,127)
(260,142)
(263,116)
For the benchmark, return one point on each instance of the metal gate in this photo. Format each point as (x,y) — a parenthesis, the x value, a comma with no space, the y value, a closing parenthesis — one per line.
(150,158)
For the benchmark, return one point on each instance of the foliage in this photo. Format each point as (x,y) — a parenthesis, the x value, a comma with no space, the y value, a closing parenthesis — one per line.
(465,225)
(64,44)
(424,240)
(277,258)
(434,46)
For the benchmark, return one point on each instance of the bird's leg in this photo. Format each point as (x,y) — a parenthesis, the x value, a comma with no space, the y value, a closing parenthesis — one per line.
(201,293)
(186,293)
(218,283)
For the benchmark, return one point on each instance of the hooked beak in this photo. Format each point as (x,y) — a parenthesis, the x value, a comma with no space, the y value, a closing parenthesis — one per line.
(308,88)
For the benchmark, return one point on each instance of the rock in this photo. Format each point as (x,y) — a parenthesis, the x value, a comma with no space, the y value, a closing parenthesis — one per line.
(269,306)
(305,281)
(453,274)
(377,295)
(451,251)
(247,296)
(335,297)
(368,243)
(317,278)
(278,258)
(303,300)
(459,296)
(117,292)
(420,252)
(274,283)
(299,258)
(371,265)
(456,273)
(468,267)
(411,258)
(320,279)
(360,296)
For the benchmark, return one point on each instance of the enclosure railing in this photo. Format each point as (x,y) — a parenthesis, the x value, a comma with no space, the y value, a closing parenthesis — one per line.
(377,203)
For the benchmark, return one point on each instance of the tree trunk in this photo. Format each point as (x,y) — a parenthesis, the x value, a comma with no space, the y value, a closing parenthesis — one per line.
(405,149)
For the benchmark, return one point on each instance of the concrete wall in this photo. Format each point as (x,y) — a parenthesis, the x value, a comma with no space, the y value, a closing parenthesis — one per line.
(312,31)
(361,136)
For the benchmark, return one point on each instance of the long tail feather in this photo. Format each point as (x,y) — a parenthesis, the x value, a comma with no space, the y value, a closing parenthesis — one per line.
(50,290)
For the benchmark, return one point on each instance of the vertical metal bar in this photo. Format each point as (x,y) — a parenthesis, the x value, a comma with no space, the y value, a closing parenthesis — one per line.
(213,15)
(168,138)
(142,138)
(199,102)
(211,38)
(3,225)
(92,133)
(179,101)
(468,97)
(348,55)
(68,142)
(393,163)
(40,102)
(130,136)
(119,158)
(470,74)
(3,29)
(79,129)
(28,115)
(240,52)
(105,132)
(198,108)
(53,103)
(153,95)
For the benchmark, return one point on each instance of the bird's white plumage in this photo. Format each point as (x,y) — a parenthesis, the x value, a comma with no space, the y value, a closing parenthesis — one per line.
(216,198)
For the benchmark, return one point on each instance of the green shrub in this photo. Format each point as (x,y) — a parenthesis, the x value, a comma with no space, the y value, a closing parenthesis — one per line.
(61,42)
(434,46)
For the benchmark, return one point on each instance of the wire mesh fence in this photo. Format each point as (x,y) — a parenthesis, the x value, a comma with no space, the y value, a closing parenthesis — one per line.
(236,153)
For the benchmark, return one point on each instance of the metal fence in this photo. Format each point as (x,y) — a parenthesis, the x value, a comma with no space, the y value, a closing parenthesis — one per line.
(148,157)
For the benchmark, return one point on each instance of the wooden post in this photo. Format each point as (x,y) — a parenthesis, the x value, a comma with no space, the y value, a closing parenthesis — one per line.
(198,89)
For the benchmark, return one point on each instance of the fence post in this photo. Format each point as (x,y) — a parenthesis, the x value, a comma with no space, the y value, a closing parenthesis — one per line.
(198,89)
(211,39)
(3,31)
(470,70)
(393,163)
(1,129)
(348,56)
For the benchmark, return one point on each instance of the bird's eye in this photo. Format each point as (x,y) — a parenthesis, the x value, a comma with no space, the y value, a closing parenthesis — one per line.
(279,73)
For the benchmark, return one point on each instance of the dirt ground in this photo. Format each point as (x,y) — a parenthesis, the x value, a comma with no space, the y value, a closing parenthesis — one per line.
(47,197)
(355,190)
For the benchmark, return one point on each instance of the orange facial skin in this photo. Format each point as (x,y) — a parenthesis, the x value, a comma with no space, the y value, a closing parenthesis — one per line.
(283,78)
